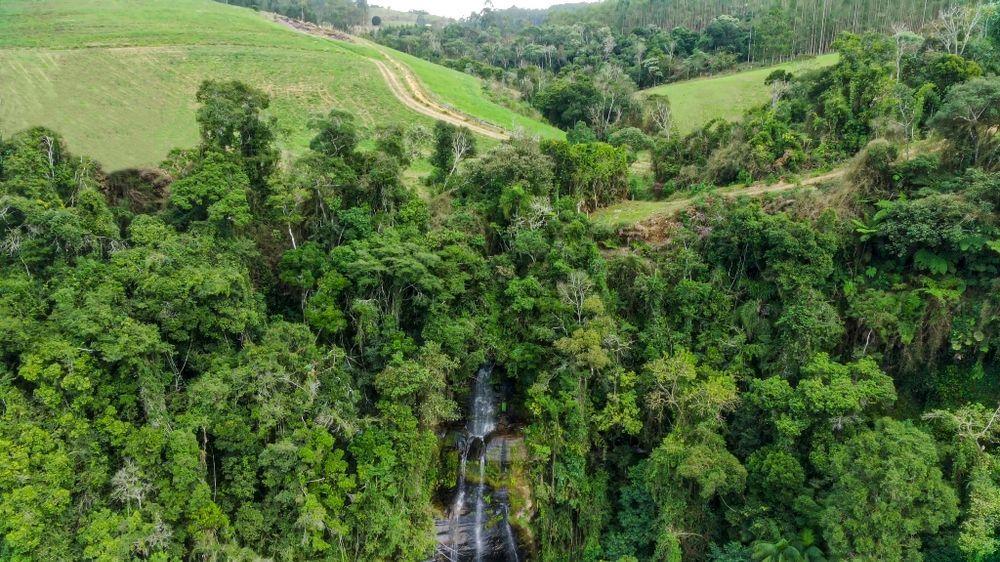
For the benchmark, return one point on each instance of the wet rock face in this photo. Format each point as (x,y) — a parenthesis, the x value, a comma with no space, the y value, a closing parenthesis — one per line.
(477,527)
(505,449)
(457,538)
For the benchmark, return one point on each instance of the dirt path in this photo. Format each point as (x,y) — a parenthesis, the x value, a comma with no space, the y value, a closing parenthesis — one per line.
(750,191)
(414,96)
(655,227)
(756,190)
(403,84)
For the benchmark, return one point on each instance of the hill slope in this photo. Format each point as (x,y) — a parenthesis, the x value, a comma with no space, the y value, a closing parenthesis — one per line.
(463,92)
(696,102)
(118,78)
(636,213)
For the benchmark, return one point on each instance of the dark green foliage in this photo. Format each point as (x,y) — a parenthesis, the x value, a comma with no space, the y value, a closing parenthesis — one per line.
(567,100)
(215,191)
(812,120)
(654,41)
(261,361)
(779,75)
(594,174)
(336,135)
(890,478)
(452,145)
(580,133)
(969,119)
(631,137)
(232,119)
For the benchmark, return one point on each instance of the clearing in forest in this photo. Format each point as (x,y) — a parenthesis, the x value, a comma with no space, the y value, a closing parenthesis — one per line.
(632,213)
(696,102)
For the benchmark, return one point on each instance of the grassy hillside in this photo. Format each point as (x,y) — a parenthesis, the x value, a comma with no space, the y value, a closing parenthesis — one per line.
(461,91)
(695,102)
(118,77)
(398,17)
(464,92)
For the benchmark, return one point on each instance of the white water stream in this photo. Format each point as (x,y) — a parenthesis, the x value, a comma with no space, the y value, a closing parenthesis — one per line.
(490,540)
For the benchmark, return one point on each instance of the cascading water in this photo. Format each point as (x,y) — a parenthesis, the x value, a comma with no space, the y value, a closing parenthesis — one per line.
(479,532)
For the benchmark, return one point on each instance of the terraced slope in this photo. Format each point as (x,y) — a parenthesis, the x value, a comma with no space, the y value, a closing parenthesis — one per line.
(436,91)
(117,77)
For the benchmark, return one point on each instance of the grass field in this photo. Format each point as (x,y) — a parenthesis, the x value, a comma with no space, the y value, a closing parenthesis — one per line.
(631,212)
(696,102)
(461,91)
(464,92)
(392,17)
(117,77)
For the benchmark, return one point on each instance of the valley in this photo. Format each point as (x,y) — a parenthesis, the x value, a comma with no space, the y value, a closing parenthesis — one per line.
(617,281)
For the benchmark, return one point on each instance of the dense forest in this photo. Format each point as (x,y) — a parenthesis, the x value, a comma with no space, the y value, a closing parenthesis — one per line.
(816,23)
(658,41)
(237,357)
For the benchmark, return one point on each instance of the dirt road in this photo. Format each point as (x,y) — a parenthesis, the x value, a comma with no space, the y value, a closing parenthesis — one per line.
(656,226)
(412,94)
(671,207)
(403,84)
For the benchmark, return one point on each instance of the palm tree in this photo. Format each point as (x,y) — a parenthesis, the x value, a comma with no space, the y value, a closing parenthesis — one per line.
(781,551)
(802,549)
(807,546)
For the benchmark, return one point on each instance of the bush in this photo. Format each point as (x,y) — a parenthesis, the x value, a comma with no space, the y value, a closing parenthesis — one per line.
(631,137)
(726,163)
(667,159)
(580,133)
(918,171)
(567,100)
(872,169)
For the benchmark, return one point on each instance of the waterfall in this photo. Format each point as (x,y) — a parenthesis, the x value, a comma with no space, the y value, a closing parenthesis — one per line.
(480,507)
(473,532)
(509,541)
(483,420)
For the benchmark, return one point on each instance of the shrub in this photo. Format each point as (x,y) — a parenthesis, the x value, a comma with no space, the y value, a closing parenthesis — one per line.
(726,163)
(580,133)
(631,137)
(872,169)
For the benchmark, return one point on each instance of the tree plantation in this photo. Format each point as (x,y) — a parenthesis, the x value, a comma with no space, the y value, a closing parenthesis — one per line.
(242,355)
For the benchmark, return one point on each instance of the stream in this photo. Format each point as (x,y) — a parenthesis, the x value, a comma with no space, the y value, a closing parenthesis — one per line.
(477,528)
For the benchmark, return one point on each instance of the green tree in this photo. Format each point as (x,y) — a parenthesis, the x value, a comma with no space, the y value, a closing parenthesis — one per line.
(567,100)
(969,118)
(336,135)
(215,191)
(452,145)
(892,469)
(233,118)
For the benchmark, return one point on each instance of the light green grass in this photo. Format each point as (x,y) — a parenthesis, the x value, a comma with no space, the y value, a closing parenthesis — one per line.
(463,92)
(117,78)
(696,102)
(630,212)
